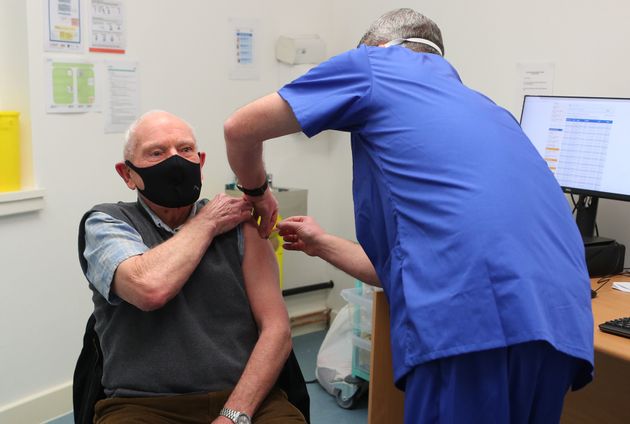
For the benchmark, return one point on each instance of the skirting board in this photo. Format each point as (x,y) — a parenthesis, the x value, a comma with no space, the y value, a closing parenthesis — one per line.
(305,303)
(40,407)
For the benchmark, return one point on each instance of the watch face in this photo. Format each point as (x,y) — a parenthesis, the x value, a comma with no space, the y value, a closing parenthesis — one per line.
(243,419)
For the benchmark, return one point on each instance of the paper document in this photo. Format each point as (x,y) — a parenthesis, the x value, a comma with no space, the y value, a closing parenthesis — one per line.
(107,27)
(124,96)
(536,79)
(62,26)
(71,87)
(621,286)
(244,63)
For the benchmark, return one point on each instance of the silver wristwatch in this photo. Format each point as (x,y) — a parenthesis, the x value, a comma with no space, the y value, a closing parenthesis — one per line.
(236,416)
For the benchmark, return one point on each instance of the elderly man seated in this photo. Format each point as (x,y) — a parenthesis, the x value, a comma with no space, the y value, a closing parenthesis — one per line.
(187,303)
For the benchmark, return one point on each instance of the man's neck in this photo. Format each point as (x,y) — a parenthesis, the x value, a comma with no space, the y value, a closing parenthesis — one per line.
(173,217)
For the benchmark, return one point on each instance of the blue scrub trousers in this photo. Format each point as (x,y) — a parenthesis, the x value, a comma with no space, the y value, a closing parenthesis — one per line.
(524,383)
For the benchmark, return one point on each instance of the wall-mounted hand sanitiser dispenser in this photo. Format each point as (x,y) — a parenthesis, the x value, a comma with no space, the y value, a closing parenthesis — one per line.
(296,50)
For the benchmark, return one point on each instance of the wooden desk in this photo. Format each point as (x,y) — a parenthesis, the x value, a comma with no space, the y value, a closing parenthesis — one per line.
(385,401)
(607,398)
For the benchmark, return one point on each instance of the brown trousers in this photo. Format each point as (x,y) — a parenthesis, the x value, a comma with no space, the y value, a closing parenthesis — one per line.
(197,408)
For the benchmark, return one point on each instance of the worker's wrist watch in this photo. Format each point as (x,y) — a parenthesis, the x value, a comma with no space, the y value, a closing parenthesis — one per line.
(254,192)
(236,416)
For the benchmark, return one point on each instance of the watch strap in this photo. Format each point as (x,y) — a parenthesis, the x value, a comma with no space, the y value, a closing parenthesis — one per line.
(254,191)
(232,414)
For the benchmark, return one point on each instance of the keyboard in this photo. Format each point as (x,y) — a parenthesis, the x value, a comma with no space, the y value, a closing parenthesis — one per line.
(619,326)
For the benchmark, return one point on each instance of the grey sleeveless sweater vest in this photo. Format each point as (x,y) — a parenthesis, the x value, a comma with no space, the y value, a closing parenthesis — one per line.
(199,341)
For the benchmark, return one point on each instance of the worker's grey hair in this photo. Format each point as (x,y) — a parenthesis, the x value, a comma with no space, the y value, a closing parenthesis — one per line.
(131,137)
(404,23)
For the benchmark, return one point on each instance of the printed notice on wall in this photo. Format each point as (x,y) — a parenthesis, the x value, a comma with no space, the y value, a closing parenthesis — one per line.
(124,96)
(107,27)
(62,26)
(243,61)
(71,87)
(536,79)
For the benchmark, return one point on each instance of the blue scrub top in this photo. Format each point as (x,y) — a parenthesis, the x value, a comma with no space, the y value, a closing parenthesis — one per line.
(470,234)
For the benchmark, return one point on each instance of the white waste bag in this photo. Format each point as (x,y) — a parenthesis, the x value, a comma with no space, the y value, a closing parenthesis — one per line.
(334,360)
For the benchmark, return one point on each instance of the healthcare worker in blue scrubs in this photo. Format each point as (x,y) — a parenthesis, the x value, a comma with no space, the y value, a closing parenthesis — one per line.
(458,218)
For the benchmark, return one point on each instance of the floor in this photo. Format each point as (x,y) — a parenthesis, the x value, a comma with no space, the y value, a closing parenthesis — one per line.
(324,408)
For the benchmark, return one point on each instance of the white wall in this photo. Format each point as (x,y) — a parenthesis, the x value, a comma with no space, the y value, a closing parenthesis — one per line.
(181,48)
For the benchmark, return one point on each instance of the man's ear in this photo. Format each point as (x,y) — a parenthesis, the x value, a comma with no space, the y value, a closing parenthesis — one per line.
(202,160)
(125,173)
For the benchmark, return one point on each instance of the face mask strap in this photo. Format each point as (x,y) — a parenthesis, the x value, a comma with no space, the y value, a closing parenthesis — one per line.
(131,165)
(398,41)
(135,168)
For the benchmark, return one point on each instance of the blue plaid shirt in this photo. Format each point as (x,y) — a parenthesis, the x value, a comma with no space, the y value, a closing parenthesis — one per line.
(110,241)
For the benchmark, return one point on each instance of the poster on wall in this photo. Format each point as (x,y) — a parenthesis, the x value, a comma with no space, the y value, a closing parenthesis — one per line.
(535,79)
(107,27)
(71,86)
(124,96)
(62,26)
(243,58)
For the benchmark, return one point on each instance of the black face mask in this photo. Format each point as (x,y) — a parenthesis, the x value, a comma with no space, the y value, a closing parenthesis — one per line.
(172,183)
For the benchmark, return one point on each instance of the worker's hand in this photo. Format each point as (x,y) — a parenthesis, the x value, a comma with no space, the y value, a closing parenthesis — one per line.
(301,233)
(226,212)
(265,208)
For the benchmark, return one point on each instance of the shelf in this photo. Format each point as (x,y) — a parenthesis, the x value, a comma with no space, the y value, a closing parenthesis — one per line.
(15,202)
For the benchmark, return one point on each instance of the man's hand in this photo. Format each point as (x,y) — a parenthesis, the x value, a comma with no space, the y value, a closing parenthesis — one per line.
(226,212)
(301,233)
(265,207)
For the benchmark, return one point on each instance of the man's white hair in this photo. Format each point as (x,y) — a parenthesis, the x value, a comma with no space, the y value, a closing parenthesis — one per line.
(131,137)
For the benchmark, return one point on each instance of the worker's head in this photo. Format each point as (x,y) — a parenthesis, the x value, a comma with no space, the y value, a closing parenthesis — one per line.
(161,160)
(400,25)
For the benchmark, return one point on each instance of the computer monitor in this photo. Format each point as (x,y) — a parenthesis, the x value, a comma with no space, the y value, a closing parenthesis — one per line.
(586,143)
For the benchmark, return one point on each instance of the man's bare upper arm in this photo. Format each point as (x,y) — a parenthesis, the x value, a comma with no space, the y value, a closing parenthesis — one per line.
(260,271)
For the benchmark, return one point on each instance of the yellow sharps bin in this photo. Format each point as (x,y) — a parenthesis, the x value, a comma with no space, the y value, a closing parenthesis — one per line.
(9,151)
